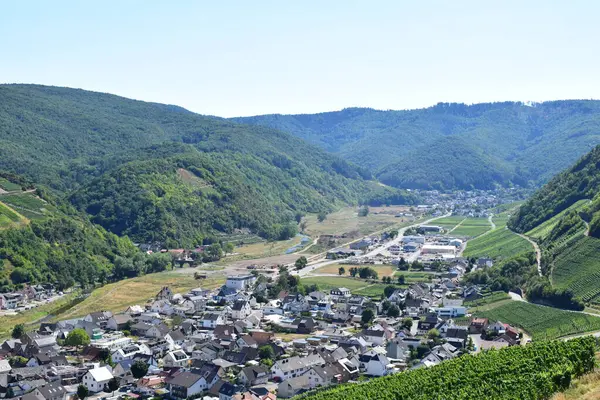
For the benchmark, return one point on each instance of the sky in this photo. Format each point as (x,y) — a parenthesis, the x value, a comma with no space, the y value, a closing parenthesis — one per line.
(240,58)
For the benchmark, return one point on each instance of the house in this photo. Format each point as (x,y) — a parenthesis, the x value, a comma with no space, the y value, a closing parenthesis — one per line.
(96,379)
(240,282)
(484,262)
(127,353)
(241,309)
(165,294)
(478,325)
(451,311)
(211,320)
(457,336)
(148,385)
(376,337)
(228,390)
(398,349)
(374,364)
(410,247)
(254,375)
(99,318)
(361,244)
(5,367)
(52,391)
(157,331)
(322,376)
(293,386)
(176,358)
(304,325)
(430,322)
(140,328)
(294,366)
(9,301)
(119,322)
(497,328)
(186,384)
(340,292)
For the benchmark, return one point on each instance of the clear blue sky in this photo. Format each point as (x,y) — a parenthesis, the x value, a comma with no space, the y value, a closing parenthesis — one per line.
(233,58)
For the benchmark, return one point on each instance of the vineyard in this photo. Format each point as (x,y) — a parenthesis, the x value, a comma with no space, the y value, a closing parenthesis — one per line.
(535,371)
(540,322)
(577,268)
(472,227)
(545,228)
(28,205)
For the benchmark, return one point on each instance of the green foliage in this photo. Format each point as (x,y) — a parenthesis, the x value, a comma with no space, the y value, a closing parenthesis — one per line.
(531,372)
(139,369)
(542,322)
(321,216)
(363,211)
(367,316)
(407,323)
(393,311)
(160,173)
(18,331)
(77,337)
(266,352)
(82,392)
(64,250)
(453,145)
(301,262)
(581,181)
(577,268)
(341,271)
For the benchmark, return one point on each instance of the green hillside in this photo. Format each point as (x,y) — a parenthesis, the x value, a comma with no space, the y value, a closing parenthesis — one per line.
(577,268)
(453,145)
(121,161)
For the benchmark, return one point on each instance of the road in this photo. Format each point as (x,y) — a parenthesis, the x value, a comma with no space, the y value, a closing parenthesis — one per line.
(322,262)
(538,252)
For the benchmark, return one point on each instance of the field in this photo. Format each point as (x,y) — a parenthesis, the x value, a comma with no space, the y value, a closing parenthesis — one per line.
(330,282)
(8,217)
(8,186)
(472,227)
(347,221)
(542,323)
(415,276)
(116,297)
(28,205)
(544,228)
(577,268)
(491,298)
(448,223)
(382,270)
(267,249)
(501,243)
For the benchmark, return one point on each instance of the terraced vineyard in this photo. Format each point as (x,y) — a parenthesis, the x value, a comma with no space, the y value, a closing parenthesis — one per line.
(8,217)
(540,322)
(472,227)
(28,205)
(540,231)
(449,222)
(577,268)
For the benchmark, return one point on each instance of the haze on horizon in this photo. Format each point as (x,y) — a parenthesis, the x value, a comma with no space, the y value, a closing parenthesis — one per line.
(245,58)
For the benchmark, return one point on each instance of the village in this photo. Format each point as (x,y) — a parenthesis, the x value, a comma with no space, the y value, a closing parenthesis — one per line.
(265,334)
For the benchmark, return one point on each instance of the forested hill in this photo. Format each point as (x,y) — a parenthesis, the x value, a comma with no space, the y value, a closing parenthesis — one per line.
(159,172)
(453,145)
(581,181)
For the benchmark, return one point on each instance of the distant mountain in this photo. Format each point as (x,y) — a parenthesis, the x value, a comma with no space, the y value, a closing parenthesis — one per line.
(160,172)
(453,145)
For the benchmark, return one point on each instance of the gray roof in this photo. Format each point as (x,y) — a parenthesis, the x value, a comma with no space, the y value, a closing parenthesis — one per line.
(185,379)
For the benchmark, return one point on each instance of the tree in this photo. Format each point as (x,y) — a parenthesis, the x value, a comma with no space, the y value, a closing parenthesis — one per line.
(363,211)
(139,369)
(299,216)
(303,225)
(367,316)
(214,252)
(113,385)
(393,311)
(407,323)
(389,290)
(341,270)
(18,331)
(77,337)
(434,335)
(301,262)
(229,247)
(266,352)
(401,279)
(321,217)
(82,392)
(353,271)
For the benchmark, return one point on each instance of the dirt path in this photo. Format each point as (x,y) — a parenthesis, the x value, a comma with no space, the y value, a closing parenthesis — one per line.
(456,226)
(538,252)
(491,221)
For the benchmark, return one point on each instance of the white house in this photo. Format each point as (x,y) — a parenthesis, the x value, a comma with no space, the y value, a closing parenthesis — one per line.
(374,364)
(211,320)
(240,282)
(127,353)
(295,366)
(96,379)
(176,358)
(241,309)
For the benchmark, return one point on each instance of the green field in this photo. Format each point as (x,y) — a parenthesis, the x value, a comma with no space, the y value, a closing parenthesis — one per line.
(8,217)
(331,282)
(28,205)
(577,268)
(501,243)
(542,323)
(544,228)
(491,298)
(8,186)
(472,227)
(449,222)
(415,276)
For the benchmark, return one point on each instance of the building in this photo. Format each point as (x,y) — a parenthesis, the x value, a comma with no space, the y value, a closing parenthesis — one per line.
(340,292)
(430,228)
(186,384)
(176,358)
(241,309)
(438,249)
(451,311)
(97,379)
(415,239)
(294,366)
(240,282)
(411,247)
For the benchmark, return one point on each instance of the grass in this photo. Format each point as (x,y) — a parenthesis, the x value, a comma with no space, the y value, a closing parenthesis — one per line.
(415,276)
(489,299)
(586,387)
(541,323)
(374,290)
(501,243)
(577,268)
(116,297)
(288,337)
(28,205)
(331,282)
(9,217)
(449,223)
(267,249)
(543,229)
(382,270)
(347,221)
(9,186)
(472,227)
